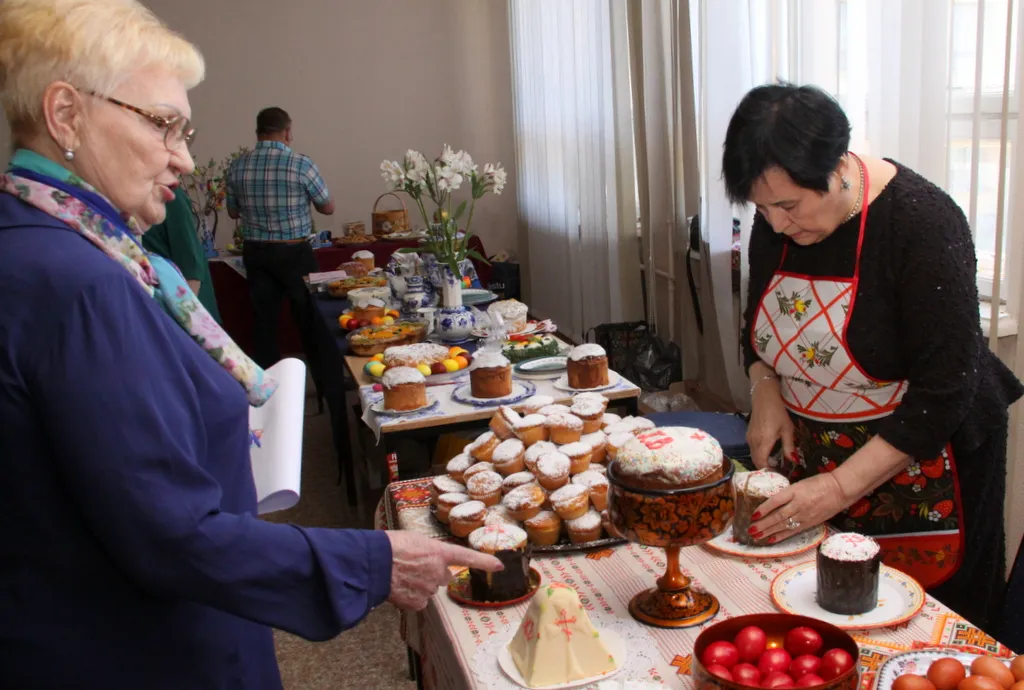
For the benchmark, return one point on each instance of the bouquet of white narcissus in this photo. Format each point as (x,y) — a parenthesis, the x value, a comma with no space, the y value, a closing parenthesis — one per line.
(436,182)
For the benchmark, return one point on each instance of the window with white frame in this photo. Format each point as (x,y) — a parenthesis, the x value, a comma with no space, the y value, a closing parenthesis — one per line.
(965,120)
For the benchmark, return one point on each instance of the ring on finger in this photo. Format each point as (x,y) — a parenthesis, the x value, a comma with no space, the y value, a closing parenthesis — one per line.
(792,524)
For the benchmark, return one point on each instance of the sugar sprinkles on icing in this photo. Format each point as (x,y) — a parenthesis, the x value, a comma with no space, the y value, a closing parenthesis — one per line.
(484,483)
(567,493)
(490,360)
(446,485)
(589,520)
(569,421)
(469,509)
(530,421)
(481,441)
(554,465)
(536,402)
(762,483)
(508,450)
(849,546)
(400,376)
(679,453)
(586,351)
(590,479)
(539,450)
(497,537)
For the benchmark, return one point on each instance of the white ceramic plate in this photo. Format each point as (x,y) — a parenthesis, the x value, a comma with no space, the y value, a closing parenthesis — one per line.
(540,368)
(900,598)
(471,296)
(918,662)
(798,543)
(378,407)
(562,383)
(521,390)
(616,647)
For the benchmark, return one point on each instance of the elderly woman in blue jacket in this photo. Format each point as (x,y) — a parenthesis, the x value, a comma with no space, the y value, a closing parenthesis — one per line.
(131,554)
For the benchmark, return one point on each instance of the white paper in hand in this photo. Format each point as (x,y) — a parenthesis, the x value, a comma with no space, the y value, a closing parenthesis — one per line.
(277,461)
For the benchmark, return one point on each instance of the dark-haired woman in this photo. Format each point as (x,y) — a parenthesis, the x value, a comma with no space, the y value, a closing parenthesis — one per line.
(863,344)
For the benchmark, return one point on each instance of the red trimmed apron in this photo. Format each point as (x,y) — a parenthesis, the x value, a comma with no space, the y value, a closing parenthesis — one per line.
(800,331)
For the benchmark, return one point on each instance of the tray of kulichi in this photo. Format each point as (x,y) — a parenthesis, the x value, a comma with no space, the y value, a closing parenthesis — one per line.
(541,467)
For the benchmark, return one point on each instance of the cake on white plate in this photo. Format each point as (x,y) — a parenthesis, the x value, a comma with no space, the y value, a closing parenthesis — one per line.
(556,642)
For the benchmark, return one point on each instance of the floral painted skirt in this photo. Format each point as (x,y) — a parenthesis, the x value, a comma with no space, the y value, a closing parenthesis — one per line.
(940,519)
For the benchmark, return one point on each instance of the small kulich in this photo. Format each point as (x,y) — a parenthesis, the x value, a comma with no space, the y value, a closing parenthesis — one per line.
(491,376)
(510,545)
(587,367)
(848,568)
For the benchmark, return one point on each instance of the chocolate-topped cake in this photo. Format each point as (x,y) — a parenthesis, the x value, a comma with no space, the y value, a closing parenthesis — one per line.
(848,567)
(753,489)
(509,544)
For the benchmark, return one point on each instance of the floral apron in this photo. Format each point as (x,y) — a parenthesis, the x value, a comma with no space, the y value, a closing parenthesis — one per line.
(800,331)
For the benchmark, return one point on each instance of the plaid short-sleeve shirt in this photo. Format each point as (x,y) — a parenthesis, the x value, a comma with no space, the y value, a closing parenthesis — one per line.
(271,188)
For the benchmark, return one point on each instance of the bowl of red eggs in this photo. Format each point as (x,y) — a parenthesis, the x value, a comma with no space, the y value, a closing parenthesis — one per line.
(775,650)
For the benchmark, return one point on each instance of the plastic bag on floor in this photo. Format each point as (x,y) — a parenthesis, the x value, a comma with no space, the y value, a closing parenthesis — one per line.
(669,401)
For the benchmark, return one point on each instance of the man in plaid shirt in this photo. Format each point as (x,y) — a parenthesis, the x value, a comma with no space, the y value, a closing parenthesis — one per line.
(271,189)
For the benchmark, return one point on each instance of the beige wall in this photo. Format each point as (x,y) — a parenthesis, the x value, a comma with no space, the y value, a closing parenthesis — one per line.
(362,80)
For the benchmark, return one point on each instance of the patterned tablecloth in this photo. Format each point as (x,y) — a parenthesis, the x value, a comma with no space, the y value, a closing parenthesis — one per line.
(458,644)
(449,410)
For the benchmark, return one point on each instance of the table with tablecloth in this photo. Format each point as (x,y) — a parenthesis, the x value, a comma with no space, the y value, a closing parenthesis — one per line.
(456,645)
(235,305)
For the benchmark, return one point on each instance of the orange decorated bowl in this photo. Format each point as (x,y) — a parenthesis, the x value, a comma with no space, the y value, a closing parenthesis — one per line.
(775,627)
(671,517)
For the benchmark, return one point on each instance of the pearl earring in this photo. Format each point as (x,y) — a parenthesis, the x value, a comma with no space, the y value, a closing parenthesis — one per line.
(69,155)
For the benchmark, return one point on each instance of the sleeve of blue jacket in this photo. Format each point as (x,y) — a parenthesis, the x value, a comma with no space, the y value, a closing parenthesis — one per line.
(125,423)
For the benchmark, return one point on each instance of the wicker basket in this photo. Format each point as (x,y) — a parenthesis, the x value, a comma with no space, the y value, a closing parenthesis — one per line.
(387,222)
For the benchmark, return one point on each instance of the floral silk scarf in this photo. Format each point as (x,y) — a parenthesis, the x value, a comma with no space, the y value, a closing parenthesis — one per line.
(86,211)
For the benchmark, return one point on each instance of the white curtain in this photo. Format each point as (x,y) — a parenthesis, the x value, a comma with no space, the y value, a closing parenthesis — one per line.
(913,81)
(668,188)
(575,161)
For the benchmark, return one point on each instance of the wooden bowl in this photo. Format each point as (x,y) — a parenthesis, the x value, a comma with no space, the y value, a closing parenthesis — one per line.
(672,517)
(775,626)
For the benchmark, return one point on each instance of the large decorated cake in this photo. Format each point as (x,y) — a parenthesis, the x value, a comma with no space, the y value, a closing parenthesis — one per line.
(556,643)
(671,457)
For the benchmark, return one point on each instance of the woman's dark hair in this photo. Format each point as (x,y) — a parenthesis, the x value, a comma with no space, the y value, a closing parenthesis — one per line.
(272,121)
(800,129)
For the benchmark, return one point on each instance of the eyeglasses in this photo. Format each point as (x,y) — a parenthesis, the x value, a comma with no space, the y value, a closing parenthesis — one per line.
(178,130)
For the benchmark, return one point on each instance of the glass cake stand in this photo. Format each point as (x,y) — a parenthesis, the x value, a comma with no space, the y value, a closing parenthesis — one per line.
(672,519)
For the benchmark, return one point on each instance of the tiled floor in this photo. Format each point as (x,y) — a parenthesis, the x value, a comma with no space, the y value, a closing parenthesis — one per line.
(371,655)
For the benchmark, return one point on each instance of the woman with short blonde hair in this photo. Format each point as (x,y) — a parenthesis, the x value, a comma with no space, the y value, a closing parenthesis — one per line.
(131,553)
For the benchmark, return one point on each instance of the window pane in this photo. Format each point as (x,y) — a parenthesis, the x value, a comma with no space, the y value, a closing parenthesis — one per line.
(988,181)
(965,33)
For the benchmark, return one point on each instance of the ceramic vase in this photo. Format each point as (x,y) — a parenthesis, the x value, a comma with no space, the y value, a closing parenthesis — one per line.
(454,324)
(451,288)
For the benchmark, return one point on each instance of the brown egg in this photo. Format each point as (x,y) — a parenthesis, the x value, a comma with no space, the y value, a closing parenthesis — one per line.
(1017,667)
(979,683)
(992,668)
(946,673)
(912,682)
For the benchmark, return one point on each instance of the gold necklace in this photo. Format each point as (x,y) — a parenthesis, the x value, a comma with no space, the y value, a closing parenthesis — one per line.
(860,194)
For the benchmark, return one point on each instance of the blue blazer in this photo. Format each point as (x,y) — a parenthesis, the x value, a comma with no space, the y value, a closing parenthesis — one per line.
(131,556)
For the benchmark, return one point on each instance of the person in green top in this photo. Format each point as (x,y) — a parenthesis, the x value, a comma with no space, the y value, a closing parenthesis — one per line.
(176,239)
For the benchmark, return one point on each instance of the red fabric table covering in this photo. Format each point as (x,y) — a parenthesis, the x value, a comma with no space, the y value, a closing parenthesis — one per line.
(235,307)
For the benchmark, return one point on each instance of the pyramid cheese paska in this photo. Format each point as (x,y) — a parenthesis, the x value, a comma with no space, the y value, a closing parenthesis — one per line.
(556,643)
